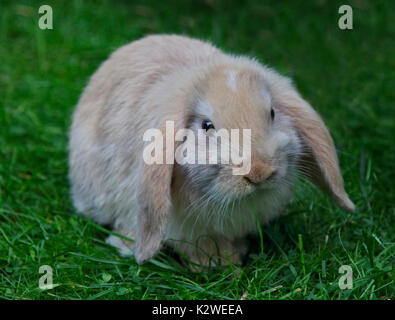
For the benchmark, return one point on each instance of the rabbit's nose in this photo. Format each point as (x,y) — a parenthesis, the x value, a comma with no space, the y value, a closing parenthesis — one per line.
(259,174)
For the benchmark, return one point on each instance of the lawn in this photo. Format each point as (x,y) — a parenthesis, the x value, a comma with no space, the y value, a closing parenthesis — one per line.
(347,75)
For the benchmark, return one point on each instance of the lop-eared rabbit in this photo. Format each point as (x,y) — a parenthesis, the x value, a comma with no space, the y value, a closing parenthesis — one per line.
(202,210)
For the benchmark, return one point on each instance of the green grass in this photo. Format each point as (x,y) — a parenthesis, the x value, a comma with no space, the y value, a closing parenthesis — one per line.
(348,76)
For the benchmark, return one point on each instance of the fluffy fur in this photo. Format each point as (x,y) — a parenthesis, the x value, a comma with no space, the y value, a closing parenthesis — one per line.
(201,210)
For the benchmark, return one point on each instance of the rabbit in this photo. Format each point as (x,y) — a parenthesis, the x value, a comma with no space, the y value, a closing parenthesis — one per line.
(203,211)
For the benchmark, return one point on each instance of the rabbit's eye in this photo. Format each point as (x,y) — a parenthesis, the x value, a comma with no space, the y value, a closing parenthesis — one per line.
(207,125)
(272,114)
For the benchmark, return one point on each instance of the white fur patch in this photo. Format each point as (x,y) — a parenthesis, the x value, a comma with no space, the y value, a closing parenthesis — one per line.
(117,242)
(281,139)
(232,81)
(267,96)
(204,109)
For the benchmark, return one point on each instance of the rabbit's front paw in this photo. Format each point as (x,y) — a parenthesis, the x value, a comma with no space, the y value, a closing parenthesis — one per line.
(125,247)
(216,250)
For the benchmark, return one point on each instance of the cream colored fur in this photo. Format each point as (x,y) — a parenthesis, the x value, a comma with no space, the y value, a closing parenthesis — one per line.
(168,77)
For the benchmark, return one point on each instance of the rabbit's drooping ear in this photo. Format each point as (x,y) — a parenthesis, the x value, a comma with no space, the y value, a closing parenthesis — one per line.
(155,193)
(319,154)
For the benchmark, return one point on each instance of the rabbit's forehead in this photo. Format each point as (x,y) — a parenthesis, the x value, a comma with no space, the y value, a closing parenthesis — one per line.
(237,98)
